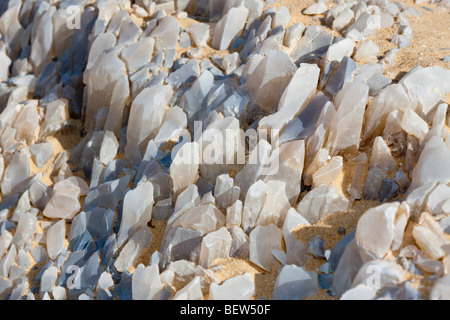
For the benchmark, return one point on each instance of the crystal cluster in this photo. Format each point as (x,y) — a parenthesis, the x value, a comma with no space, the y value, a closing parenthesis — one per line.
(231,152)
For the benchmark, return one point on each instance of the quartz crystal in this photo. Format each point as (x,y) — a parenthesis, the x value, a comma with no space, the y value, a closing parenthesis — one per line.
(136,213)
(430,237)
(387,273)
(350,104)
(16,174)
(205,218)
(229,26)
(375,229)
(270,78)
(157,150)
(322,201)
(432,165)
(294,283)
(64,203)
(133,248)
(55,238)
(329,172)
(216,244)
(264,239)
(42,153)
(146,283)
(240,287)
(147,114)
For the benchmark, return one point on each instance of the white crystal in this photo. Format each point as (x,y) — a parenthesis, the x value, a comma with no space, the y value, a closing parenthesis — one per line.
(381,156)
(200,33)
(205,217)
(295,250)
(427,87)
(343,20)
(440,289)
(192,291)
(430,237)
(222,148)
(240,287)
(230,62)
(276,204)
(138,54)
(166,33)
(22,206)
(337,51)
(281,18)
(401,221)
(6,286)
(254,167)
(312,45)
(375,229)
(365,23)
(432,165)
(16,173)
(5,240)
(41,41)
(146,114)
(48,280)
(240,243)
(194,97)
(216,244)
(234,214)
(329,172)
(254,201)
(24,234)
(133,248)
(269,80)
(109,148)
(392,97)
(414,125)
(173,126)
(438,125)
(366,52)
(229,26)
(64,203)
(294,283)
(42,153)
(437,201)
(8,261)
(119,98)
(39,254)
(222,190)
(350,261)
(296,95)
(208,198)
(184,167)
(346,126)
(322,201)
(293,34)
(146,283)
(59,293)
(378,274)
(136,212)
(101,79)
(56,235)
(264,239)
(316,8)
(361,168)
(359,292)
(319,160)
